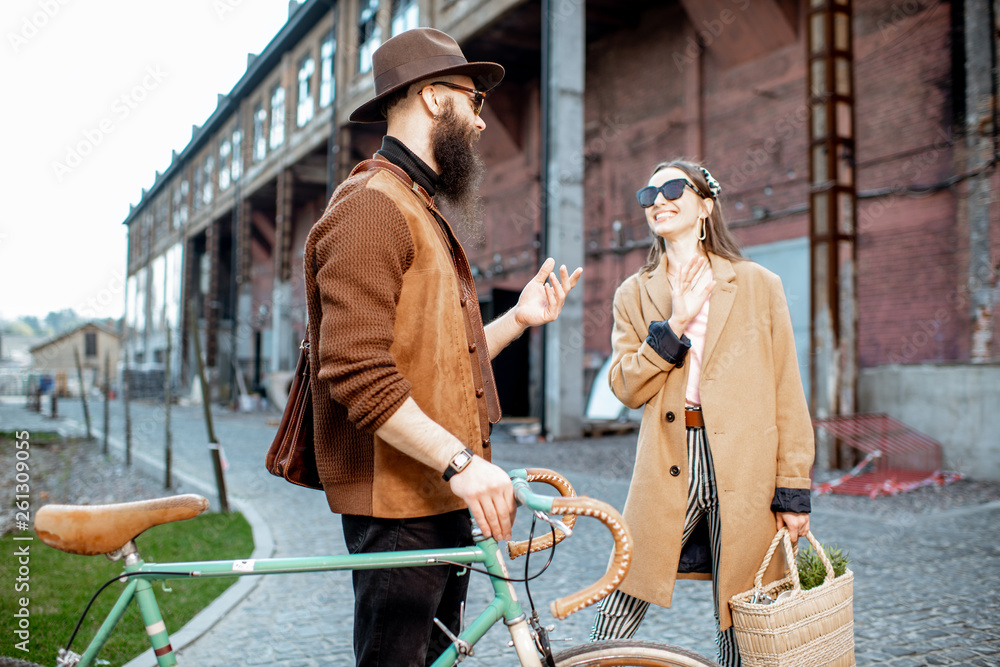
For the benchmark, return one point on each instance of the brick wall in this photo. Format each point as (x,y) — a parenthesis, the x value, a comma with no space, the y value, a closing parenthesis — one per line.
(648,100)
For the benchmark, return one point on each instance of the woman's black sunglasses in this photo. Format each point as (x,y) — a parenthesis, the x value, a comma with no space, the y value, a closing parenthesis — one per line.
(671,190)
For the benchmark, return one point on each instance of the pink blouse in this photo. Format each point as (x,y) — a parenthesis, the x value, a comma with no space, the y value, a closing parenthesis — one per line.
(695,331)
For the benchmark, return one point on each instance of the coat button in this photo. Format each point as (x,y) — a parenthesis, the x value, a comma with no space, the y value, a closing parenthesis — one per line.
(670,417)
(486,443)
(463,301)
(674,470)
(480,392)
(472,348)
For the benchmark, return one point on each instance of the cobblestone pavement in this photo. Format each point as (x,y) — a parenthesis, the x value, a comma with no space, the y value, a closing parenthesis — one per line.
(927,566)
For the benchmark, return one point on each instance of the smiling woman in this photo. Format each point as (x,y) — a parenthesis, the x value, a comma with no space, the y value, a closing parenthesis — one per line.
(693,329)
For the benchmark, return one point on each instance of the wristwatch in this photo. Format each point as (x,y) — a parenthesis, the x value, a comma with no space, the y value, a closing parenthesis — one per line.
(459,463)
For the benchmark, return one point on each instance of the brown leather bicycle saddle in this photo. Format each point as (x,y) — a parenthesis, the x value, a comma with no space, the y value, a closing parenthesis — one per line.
(101,529)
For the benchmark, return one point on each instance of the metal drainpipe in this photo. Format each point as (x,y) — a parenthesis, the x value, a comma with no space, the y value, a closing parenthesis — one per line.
(544,183)
(333,143)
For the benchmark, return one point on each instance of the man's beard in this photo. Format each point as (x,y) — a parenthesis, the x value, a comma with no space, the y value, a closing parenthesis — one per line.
(461,167)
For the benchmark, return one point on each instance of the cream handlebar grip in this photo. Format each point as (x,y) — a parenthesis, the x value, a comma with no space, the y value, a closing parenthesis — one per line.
(620,562)
(565,489)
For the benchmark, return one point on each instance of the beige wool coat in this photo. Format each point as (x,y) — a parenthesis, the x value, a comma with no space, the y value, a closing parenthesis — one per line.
(756,421)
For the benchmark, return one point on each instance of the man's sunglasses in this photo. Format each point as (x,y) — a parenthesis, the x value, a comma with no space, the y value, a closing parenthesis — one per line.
(671,190)
(478,96)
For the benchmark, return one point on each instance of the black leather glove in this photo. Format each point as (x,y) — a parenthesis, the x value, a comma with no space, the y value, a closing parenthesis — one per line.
(791,500)
(666,343)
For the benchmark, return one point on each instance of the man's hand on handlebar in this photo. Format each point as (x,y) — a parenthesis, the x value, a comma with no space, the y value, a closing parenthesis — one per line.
(487,489)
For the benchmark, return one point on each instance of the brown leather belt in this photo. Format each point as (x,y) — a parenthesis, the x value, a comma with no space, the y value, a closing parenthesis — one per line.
(693,418)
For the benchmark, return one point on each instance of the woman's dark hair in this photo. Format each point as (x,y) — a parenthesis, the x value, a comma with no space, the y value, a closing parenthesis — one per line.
(718,239)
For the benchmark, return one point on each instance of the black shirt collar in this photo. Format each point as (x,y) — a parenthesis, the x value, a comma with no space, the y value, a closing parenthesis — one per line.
(396,152)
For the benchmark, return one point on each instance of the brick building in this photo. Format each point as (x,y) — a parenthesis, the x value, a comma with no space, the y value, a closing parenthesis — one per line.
(910,283)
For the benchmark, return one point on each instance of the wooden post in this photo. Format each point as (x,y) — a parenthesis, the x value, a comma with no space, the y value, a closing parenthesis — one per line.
(83,390)
(220,479)
(126,400)
(107,399)
(168,435)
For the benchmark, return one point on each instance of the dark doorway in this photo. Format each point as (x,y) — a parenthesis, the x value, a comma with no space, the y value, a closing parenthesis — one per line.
(510,367)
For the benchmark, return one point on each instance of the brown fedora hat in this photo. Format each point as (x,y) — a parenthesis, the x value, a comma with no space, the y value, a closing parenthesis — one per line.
(415,55)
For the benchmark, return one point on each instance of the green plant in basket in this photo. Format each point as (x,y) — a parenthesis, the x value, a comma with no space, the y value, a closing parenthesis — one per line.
(812,572)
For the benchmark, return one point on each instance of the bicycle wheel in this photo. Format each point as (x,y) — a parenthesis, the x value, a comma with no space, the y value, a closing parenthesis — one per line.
(629,653)
(14,662)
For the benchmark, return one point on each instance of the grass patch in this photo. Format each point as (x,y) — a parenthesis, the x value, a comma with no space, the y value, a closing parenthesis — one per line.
(61,584)
(36,438)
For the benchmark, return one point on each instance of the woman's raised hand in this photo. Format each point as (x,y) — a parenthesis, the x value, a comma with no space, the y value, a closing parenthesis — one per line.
(689,292)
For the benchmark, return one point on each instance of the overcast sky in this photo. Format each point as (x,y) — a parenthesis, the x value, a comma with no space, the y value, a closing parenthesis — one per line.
(95,95)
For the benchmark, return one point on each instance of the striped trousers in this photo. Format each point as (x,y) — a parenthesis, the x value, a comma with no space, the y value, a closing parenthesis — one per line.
(619,614)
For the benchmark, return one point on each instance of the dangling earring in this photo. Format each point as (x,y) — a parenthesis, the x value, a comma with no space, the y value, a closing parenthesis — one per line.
(701,237)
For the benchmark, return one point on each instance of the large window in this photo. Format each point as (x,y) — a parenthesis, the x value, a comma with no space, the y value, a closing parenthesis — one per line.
(327,82)
(237,165)
(180,214)
(405,15)
(369,34)
(163,222)
(197,187)
(277,117)
(206,194)
(304,113)
(225,172)
(259,136)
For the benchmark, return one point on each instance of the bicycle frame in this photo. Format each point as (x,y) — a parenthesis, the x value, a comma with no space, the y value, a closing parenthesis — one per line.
(504,605)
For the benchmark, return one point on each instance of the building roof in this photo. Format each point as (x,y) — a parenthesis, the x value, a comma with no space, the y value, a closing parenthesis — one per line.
(300,22)
(67,334)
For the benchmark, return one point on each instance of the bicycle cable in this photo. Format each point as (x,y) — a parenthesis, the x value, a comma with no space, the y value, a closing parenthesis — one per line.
(100,590)
(527,558)
(513,580)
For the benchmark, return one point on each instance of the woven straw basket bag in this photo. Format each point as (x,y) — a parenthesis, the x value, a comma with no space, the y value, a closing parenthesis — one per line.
(810,628)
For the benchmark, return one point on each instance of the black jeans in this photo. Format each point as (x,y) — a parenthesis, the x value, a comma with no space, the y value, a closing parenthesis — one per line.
(394,608)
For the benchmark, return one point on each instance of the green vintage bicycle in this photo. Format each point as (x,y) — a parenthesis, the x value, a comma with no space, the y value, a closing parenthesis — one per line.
(111,530)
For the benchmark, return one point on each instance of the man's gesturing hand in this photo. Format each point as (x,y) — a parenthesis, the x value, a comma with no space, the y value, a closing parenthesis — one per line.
(487,489)
(540,301)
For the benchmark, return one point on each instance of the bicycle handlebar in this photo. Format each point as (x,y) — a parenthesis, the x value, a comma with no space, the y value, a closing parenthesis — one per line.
(572,506)
(561,484)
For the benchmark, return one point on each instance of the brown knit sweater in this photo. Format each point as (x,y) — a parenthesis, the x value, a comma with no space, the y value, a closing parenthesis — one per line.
(390,317)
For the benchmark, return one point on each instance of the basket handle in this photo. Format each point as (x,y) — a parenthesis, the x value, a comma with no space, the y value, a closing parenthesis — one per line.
(791,558)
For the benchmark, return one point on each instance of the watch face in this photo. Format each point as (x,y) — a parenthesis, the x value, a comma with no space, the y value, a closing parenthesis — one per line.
(461,460)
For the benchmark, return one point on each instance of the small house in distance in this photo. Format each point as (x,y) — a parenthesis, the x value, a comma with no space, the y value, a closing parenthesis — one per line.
(55,360)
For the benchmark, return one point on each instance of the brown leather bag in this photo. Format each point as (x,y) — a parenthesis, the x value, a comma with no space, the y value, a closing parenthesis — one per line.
(291,455)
